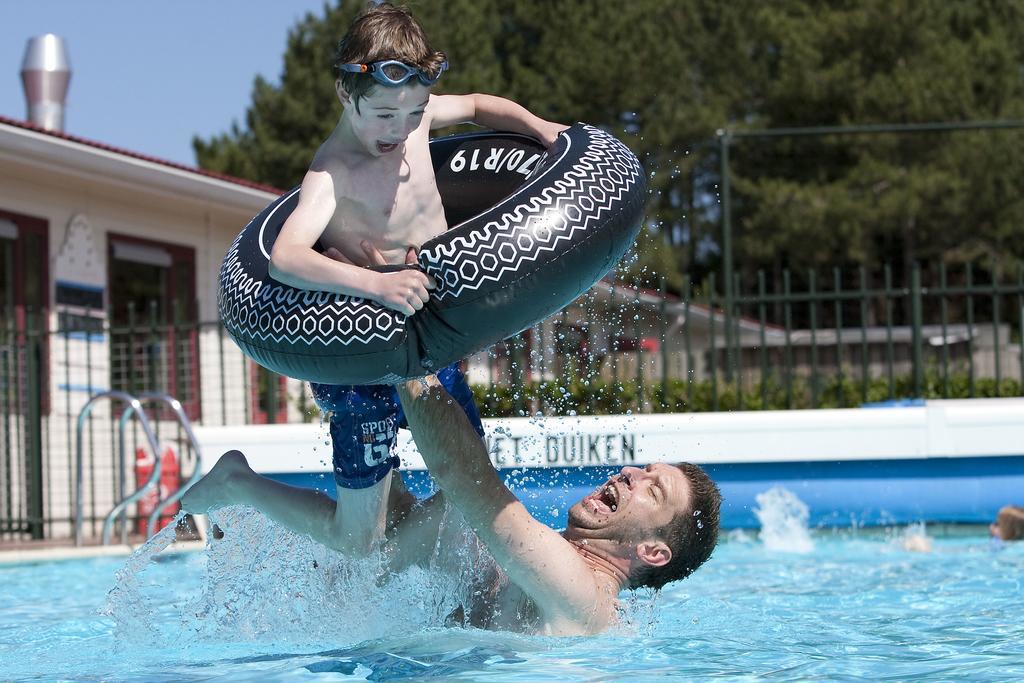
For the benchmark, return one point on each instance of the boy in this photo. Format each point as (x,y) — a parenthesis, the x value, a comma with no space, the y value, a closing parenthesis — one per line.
(370,197)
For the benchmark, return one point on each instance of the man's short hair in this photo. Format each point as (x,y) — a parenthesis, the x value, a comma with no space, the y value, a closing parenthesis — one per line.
(691,535)
(379,33)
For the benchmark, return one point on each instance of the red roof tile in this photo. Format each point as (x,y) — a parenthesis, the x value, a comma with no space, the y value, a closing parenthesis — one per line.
(135,155)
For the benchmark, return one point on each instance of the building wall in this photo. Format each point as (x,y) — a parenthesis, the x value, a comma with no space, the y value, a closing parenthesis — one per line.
(82,211)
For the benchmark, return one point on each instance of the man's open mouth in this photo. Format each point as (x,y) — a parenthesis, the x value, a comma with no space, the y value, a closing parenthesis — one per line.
(385,147)
(606,499)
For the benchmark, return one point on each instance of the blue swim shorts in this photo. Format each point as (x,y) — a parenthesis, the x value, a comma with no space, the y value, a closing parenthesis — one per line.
(365,421)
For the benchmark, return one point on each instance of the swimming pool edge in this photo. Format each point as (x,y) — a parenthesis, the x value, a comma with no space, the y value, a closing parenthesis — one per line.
(31,555)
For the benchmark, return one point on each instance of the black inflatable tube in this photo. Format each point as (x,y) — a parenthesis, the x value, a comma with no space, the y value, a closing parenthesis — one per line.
(531,232)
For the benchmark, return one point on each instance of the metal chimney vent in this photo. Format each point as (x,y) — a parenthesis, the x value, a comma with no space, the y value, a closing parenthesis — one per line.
(45,74)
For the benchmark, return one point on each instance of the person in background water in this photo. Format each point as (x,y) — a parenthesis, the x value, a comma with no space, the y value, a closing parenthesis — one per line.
(1009,524)
(370,198)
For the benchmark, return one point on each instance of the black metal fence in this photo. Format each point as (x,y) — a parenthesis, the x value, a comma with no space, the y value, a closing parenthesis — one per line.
(886,341)
(615,350)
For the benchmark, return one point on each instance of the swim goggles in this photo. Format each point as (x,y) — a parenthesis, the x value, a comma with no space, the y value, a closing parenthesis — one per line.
(376,70)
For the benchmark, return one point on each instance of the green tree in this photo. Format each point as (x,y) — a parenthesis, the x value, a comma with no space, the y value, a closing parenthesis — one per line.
(285,123)
(865,200)
(663,75)
(641,70)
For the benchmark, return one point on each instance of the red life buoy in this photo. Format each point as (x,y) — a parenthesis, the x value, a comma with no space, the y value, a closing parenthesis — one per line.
(170,481)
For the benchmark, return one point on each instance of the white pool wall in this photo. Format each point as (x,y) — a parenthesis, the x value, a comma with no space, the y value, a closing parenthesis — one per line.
(941,428)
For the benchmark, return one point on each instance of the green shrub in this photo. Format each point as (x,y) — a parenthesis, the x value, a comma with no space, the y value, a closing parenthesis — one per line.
(601,397)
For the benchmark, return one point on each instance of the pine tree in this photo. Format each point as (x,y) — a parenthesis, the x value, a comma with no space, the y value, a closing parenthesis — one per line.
(663,75)
(866,200)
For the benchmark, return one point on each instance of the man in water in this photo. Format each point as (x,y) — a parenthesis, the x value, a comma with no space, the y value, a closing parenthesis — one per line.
(643,527)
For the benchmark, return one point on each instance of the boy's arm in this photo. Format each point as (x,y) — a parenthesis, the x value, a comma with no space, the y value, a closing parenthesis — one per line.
(294,262)
(493,112)
(535,557)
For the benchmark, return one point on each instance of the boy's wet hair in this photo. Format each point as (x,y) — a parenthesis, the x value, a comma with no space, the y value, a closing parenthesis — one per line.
(381,32)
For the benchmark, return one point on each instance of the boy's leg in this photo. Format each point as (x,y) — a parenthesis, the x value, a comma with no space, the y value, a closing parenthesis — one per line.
(361,515)
(364,434)
(232,482)
(303,510)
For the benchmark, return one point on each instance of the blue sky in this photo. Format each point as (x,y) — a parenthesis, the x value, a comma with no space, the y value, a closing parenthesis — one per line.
(148,75)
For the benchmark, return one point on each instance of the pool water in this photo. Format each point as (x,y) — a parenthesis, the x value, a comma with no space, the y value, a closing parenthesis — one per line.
(270,605)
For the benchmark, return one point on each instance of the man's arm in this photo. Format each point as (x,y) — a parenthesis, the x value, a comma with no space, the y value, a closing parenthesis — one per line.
(294,262)
(535,557)
(493,112)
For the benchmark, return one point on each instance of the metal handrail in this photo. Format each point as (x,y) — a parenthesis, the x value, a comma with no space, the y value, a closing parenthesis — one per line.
(175,406)
(133,406)
(122,475)
(197,471)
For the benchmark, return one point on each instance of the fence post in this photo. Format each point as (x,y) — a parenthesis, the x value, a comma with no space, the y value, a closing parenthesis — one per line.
(223,376)
(735,356)
(538,368)
(837,280)
(640,380)
(813,315)
(918,336)
(155,363)
(865,355)
(724,140)
(593,370)
(690,371)
(516,372)
(1020,323)
(788,317)
(996,345)
(762,315)
(130,354)
(7,402)
(714,345)
(33,428)
(174,360)
(888,331)
(663,322)
(615,329)
(969,275)
(272,385)
(944,315)
(565,363)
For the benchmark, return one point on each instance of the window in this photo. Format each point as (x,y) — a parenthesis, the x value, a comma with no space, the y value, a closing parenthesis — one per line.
(269,397)
(24,320)
(153,315)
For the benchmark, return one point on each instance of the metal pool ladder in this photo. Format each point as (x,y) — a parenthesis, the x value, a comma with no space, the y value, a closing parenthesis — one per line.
(133,406)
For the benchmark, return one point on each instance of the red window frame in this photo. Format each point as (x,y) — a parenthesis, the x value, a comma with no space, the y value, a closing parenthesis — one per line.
(40,228)
(181,256)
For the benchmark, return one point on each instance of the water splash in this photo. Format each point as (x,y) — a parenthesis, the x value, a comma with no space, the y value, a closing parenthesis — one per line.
(783,519)
(637,613)
(739,536)
(915,539)
(264,583)
(127,603)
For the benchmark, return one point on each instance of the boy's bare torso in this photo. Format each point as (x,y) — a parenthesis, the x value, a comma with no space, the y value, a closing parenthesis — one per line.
(390,201)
